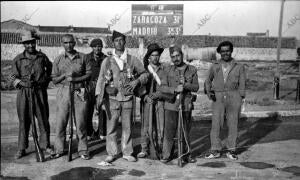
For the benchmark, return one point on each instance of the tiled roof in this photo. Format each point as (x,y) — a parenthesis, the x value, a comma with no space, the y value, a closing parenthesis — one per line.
(166,41)
(65,29)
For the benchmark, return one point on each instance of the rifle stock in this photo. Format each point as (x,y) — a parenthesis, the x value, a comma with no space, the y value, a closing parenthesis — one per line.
(38,151)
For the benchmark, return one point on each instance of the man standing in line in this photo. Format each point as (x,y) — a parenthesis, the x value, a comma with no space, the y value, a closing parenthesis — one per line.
(181,80)
(120,76)
(71,68)
(152,98)
(31,74)
(225,86)
(96,58)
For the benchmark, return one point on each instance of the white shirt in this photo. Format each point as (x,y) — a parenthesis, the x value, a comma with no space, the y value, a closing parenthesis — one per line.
(120,60)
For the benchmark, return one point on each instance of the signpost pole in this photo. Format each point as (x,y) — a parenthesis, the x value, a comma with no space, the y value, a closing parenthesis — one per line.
(277,74)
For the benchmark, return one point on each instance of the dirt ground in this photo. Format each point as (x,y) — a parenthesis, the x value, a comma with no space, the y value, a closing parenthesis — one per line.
(268,149)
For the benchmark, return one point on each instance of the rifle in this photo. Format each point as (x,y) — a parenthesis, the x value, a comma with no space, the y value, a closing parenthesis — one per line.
(71,122)
(153,145)
(179,132)
(38,151)
(159,135)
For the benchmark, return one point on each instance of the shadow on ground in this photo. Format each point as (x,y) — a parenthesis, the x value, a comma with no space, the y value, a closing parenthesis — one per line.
(12,178)
(251,131)
(88,173)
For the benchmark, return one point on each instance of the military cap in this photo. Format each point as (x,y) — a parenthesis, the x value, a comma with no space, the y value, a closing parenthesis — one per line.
(175,48)
(117,34)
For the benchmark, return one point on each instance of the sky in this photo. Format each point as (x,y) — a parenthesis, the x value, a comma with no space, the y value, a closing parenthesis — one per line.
(226,17)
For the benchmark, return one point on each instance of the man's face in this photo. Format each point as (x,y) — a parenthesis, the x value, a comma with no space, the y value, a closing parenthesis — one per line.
(97,49)
(154,58)
(225,53)
(68,43)
(30,46)
(177,58)
(119,43)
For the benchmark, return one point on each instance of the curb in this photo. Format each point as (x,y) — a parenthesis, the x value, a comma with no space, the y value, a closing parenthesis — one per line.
(258,114)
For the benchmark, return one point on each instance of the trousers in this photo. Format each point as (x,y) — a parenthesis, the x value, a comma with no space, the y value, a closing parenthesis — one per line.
(116,110)
(40,111)
(171,123)
(63,115)
(227,104)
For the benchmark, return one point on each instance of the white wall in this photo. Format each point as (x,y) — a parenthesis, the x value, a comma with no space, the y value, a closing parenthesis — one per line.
(9,51)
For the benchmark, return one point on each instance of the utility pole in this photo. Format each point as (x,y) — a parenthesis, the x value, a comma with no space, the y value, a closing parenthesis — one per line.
(277,74)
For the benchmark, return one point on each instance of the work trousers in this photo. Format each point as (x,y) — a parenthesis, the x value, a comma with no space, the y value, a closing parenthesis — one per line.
(158,124)
(90,112)
(118,109)
(40,111)
(227,104)
(171,123)
(63,115)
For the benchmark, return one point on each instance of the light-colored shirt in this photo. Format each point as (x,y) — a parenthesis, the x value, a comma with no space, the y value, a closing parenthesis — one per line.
(120,60)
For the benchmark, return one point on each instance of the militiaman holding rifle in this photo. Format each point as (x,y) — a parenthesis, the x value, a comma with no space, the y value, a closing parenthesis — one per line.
(31,75)
(180,81)
(152,106)
(71,68)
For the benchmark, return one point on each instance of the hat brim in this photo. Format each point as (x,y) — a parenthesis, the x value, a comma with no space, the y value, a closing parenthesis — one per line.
(160,51)
(25,40)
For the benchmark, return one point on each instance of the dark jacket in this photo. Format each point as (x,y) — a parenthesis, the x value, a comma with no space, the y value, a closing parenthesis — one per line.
(96,64)
(37,70)
(171,80)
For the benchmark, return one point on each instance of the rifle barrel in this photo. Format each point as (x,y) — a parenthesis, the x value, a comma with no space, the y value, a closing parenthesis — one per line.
(70,123)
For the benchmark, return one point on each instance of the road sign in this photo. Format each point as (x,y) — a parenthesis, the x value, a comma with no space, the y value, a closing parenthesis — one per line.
(157,19)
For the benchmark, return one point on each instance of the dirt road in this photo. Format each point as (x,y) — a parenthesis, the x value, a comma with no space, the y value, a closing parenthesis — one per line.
(268,149)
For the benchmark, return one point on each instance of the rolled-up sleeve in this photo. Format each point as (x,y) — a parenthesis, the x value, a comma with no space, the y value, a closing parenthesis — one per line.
(55,68)
(99,91)
(142,75)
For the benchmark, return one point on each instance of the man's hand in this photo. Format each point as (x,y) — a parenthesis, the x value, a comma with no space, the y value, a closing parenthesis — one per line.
(69,74)
(154,96)
(99,103)
(132,85)
(70,79)
(28,84)
(179,89)
(149,100)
